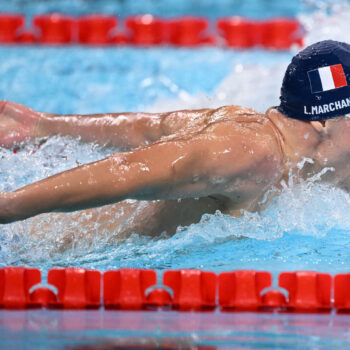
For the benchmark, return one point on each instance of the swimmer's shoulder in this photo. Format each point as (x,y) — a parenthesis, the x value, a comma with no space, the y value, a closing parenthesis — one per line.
(255,127)
(236,109)
(238,116)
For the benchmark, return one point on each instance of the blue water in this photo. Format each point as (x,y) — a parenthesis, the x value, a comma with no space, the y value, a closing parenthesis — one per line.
(51,329)
(306,227)
(164,8)
(85,80)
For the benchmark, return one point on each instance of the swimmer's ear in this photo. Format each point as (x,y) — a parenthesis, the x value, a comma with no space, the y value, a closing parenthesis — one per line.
(321,126)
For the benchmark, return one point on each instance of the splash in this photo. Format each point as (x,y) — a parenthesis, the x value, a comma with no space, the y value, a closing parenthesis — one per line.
(305,226)
(299,209)
(235,89)
(326,20)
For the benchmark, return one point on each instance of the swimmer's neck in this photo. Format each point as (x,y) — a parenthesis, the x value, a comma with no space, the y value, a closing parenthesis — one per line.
(298,139)
(326,143)
(309,148)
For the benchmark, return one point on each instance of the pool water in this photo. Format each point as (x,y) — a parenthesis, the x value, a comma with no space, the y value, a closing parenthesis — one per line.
(307,226)
(165,8)
(171,330)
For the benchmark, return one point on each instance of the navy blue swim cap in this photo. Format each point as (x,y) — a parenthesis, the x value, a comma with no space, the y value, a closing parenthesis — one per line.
(316,85)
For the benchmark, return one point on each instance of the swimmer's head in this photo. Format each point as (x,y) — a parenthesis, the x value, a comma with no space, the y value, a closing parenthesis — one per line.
(316,85)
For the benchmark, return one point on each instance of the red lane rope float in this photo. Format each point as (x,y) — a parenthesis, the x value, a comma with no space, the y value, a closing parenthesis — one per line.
(9,25)
(96,29)
(55,28)
(193,289)
(15,285)
(239,32)
(26,38)
(278,33)
(342,292)
(189,31)
(159,297)
(308,291)
(147,30)
(281,33)
(126,288)
(43,297)
(77,288)
(137,289)
(241,290)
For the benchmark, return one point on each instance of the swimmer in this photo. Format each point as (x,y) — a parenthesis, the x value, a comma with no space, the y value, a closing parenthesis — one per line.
(190,162)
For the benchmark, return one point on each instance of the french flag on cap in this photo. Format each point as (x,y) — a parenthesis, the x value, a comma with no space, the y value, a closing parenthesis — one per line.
(327,78)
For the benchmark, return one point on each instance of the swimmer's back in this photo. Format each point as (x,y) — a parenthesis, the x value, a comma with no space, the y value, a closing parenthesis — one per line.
(242,157)
(185,122)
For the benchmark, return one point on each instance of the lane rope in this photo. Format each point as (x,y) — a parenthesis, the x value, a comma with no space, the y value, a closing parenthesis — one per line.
(147,30)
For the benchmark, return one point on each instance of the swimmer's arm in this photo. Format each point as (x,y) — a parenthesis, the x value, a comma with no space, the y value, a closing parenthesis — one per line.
(146,174)
(123,130)
(197,167)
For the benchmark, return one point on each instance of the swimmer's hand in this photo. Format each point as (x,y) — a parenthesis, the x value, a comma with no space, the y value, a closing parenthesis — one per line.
(17,123)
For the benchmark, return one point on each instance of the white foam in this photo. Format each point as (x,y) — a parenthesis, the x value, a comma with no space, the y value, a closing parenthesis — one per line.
(255,86)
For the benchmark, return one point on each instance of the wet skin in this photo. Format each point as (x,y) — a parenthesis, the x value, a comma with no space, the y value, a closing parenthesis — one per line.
(212,159)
